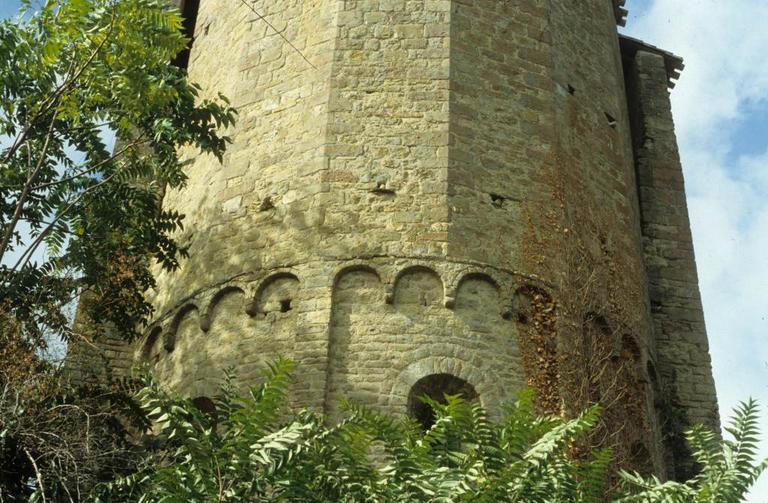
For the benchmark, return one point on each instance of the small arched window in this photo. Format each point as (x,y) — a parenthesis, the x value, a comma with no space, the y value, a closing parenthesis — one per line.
(640,458)
(189,10)
(436,387)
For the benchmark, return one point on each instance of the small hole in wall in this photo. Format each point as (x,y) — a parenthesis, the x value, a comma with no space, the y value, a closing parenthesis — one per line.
(266,204)
(594,393)
(497,200)
(611,120)
(382,189)
(640,458)
(285,305)
(630,349)
(207,407)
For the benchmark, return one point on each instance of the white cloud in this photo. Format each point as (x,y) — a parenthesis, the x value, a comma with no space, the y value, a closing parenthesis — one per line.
(723,44)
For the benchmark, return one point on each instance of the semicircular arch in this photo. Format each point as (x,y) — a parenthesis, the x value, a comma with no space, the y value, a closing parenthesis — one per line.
(283,286)
(349,269)
(207,318)
(399,383)
(478,276)
(418,284)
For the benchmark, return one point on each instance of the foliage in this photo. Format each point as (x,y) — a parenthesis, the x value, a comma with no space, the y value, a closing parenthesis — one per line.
(58,442)
(71,73)
(251,449)
(727,468)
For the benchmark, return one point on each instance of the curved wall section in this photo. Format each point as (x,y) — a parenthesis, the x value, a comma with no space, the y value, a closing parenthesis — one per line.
(352,339)
(264,205)
(444,188)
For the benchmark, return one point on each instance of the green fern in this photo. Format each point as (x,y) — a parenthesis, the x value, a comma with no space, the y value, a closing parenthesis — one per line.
(728,468)
(254,450)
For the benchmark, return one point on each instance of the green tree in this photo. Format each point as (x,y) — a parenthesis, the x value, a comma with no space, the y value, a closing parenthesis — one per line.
(727,468)
(81,223)
(69,72)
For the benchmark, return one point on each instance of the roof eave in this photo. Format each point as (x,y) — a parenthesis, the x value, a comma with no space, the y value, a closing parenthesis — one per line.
(673,63)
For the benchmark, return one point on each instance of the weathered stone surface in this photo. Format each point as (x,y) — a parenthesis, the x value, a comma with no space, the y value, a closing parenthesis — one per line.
(682,352)
(455,188)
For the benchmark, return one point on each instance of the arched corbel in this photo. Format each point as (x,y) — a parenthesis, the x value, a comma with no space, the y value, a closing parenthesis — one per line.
(255,303)
(252,305)
(205,322)
(507,311)
(389,293)
(450,298)
(207,314)
(169,338)
(252,309)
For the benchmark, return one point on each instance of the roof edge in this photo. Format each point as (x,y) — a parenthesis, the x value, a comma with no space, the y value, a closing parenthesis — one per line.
(673,63)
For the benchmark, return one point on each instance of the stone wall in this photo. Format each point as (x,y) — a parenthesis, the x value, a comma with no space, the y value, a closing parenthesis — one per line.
(541,180)
(502,135)
(392,323)
(442,194)
(682,359)
(604,275)
(387,144)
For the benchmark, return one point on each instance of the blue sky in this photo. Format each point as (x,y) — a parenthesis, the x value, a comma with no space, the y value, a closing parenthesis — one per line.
(8,8)
(721,114)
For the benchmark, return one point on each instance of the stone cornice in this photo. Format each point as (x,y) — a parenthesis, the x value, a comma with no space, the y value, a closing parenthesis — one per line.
(674,64)
(621,12)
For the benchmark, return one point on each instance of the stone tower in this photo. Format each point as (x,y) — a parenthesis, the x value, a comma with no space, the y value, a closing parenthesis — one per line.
(429,196)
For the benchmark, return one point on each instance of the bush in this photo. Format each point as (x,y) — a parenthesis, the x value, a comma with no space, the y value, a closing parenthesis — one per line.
(248,451)
(252,448)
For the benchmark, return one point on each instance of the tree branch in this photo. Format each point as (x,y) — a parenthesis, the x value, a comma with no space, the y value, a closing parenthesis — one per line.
(48,102)
(11,227)
(37,474)
(93,168)
(31,250)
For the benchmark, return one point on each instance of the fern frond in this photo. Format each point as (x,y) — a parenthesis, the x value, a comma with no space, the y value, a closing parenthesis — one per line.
(593,476)
(652,490)
(259,412)
(561,435)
